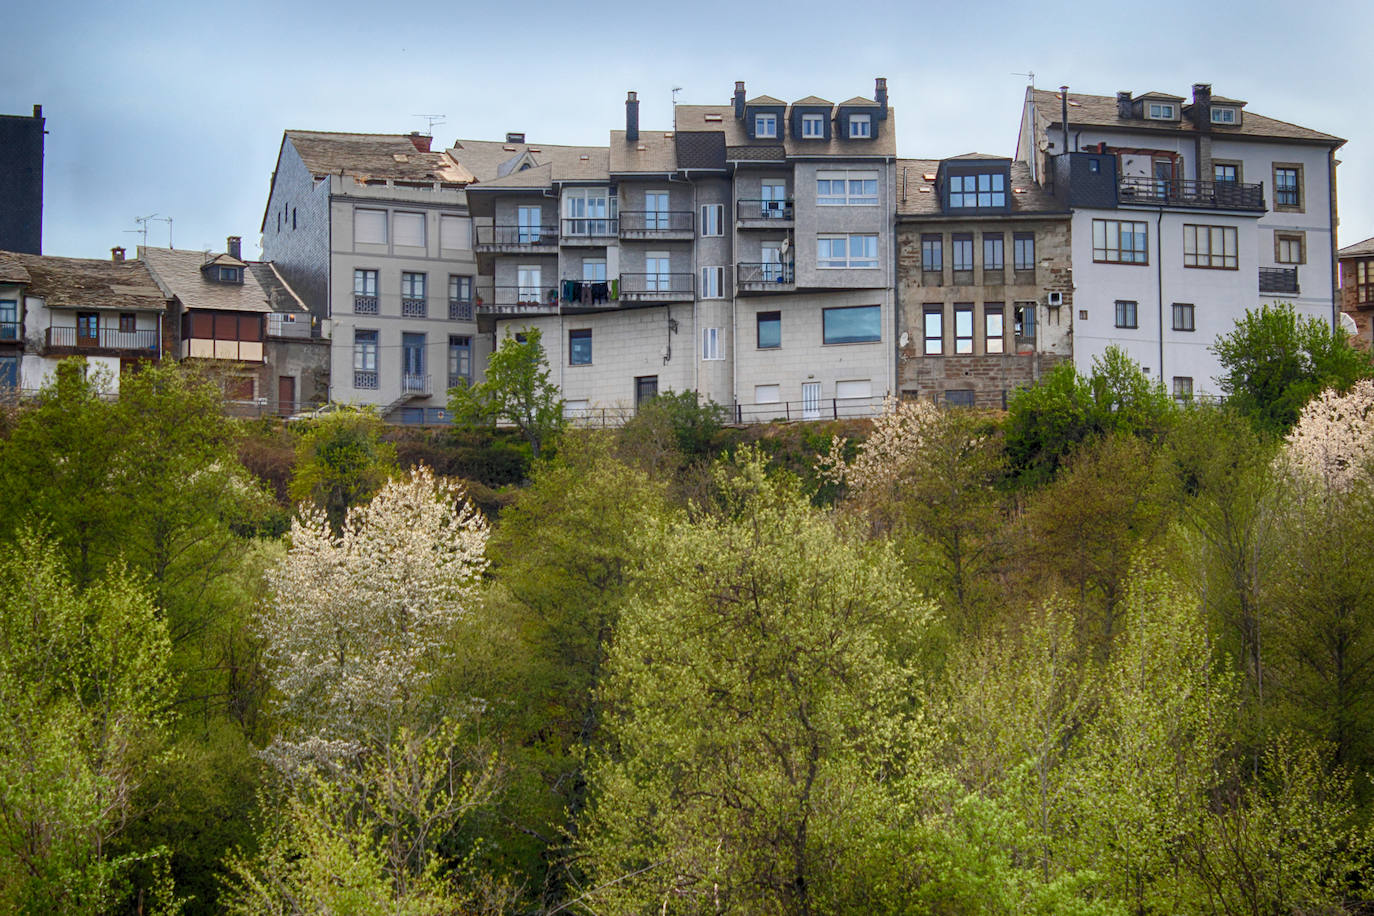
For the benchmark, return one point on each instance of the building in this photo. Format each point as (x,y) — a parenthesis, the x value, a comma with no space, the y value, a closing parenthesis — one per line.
(1185,214)
(110,312)
(243,319)
(984,283)
(1357,287)
(745,254)
(373,232)
(21,182)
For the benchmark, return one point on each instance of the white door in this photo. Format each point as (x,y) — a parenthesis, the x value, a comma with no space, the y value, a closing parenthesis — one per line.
(529,282)
(811,401)
(770,253)
(656,210)
(656,277)
(528,222)
(774,197)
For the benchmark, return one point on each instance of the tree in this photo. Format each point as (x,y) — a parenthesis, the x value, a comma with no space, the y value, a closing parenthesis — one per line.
(358,621)
(1333,441)
(1275,361)
(341,461)
(516,390)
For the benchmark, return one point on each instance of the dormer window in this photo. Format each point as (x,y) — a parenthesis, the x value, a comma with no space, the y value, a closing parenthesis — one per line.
(1223,116)
(813,127)
(982,190)
(765,125)
(231,275)
(860,126)
(1161,111)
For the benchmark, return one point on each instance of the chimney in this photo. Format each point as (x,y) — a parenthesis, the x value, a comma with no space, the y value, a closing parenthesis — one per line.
(1064,114)
(739,100)
(1123,106)
(116,253)
(1202,105)
(420,141)
(513,136)
(234,245)
(632,117)
(38,111)
(880,96)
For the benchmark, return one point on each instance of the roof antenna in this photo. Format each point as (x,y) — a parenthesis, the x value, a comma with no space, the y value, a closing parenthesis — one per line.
(676,90)
(1030,77)
(430,121)
(142,229)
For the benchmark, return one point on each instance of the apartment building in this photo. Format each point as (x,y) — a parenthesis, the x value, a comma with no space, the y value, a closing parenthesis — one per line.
(373,232)
(1185,214)
(1357,287)
(984,281)
(745,254)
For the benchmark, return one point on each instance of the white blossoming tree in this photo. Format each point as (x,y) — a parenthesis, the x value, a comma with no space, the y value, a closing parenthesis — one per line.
(357,621)
(1333,441)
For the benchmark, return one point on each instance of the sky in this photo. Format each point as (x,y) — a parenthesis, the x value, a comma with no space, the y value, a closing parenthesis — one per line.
(177,109)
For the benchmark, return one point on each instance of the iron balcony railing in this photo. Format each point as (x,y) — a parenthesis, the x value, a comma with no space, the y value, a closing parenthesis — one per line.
(1278,279)
(365,305)
(414,308)
(659,286)
(9,330)
(775,210)
(589,230)
(460,310)
(459,381)
(365,378)
(521,300)
(1191,192)
(414,383)
(650,224)
(515,238)
(764,276)
(103,339)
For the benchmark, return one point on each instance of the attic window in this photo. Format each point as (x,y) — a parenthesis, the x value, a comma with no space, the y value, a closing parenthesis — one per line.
(668,135)
(642,148)
(584,158)
(711,118)
(509,149)
(1223,116)
(400,157)
(230,275)
(1160,111)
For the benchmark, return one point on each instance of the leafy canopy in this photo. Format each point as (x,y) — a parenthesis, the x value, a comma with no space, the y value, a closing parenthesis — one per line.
(516,390)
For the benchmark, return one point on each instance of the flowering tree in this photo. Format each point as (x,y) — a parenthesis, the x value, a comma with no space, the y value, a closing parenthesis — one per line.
(1333,441)
(357,620)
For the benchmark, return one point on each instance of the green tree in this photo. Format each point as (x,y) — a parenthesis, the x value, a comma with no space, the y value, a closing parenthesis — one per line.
(341,461)
(516,390)
(1274,362)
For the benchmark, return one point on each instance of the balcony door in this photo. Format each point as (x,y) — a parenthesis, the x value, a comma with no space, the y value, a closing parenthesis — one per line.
(656,268)
(87,329)
(655,209)
(773,199)
(413,362)
(528,224)
(529,280)
(770,254)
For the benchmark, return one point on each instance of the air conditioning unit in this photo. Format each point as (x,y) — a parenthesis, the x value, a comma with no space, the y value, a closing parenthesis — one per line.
(1055,300)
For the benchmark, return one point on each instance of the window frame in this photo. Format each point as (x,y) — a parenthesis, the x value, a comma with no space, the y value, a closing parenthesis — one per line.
(366,350)
(461,354)
(1019,248)
(860,120)
(1298,237)
(813,120)
(992,197)
(711,349)
(963,329)
(998,243)
(1127,313)
(850,260)
(762,318)
(932,244)
(1184,315)
(718,275)
(410,216)
(933,330)
(413,280)
(961,241)
(1103,254)
(1227,259)
(712,218)
(1160,111)
(827,196)
(579,346)
(1183,388)
(771,118)
(1224,110)
(877,337)
(373,212)
(994,343)
(365,274)
(1298,191)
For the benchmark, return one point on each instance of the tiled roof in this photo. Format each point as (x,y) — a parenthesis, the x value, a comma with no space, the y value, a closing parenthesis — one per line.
(1101,111)
(859,101)
(765,100)
(918,197)
(722,118)
(179,274)
(978,156)
(539,176)
(484,158)
(11,271)
(759,153)
(813,100)
(280,296)
(124,286)
(700,149)
(375,156)
(655,152)
(1357,250)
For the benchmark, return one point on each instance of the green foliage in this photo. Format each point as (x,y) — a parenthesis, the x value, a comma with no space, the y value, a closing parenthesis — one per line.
(341,461)
(517,390)
(672,429)
(1274,362)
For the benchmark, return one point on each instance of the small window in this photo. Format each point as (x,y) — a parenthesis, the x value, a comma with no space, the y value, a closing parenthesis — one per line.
(293,217)
(710,344)
(712,220)
(813,127)
(860,126)
(1223,116)
(1183,388)
(963,252)
(993,254)
(963,329)
(128,322)
(1125,314)
(1288,186)
(1289,248)
(765,125)
(1024,251)
(932,254)
(769,330)
(934,330)
(994,327)
(1161,111)
(580,347)
(767,394)
(712,282)
(1225,171)
(855,324)
(230,275)
(369,227)
(1184,317)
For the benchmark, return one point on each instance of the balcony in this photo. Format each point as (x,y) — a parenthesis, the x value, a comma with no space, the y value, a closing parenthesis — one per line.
(657,287)
(415,385)
(414,308)
(364,378)
(365,305)
(592,232)
(764,214)
(460,310)
(656,224)
(9,331)
(106,341)
(520,300)
(765,277)
(1278,280)
(1189,192)
(516,240)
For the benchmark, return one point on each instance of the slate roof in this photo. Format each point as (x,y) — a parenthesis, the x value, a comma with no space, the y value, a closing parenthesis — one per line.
(694,118)
(700,149)
(70,283)
(1101,111)
(179,274)
(280,296)
(373,156)
(1359,249)
(484,158)
(1027,197)
(655,152)
(765,100)
(814,100)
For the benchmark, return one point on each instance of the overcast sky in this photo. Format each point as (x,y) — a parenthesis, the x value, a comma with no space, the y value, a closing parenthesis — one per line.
(177,109)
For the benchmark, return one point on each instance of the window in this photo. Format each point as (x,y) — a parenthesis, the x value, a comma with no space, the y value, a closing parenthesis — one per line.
(128,322)
(1225,171)
(934,330)
(712,281)
(230,275)
(855,324)
(767,394)
(765,125)
(993,253)
(963,328)
(1290,247)
(455,233)
(593,270)
(1183,317)
(459,297)
(9,371)
(860,126)
(986,189)
(932,254)
(1023,321)
(589,211)
(1125,314)
(994,327)
(1223,116)
(1161,111)
(365,292)
(369,227)
(813,127)
(1364,281)
(364,359)
(962,252)
(1287,186)
(408,229)
(656,272)
(847,251)
(528,278)
(710,344)
(838,189)
(1118,241)
(529,225)
(1023,251)
(1183,387)
(9,319)
(854,388)
(769,330)
(412,295)
(459,360)
(712,219)
(580,347)
(1210,246)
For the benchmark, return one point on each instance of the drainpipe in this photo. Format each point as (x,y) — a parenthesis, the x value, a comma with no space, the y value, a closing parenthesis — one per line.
(1159,286)
(1335,286)
(1064,114)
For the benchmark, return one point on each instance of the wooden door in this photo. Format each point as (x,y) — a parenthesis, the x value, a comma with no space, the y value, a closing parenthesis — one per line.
(286,395)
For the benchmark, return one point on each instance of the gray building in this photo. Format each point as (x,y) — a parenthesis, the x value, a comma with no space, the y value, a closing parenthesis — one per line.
(21,182)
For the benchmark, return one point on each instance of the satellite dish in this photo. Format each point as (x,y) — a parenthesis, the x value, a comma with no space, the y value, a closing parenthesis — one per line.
(1348,325)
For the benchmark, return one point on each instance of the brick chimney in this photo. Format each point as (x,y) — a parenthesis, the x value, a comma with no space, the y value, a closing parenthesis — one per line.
(234,245)
(116,253)
(632,117)
(420,141)
(1124,106)
(880,96)
(739,100)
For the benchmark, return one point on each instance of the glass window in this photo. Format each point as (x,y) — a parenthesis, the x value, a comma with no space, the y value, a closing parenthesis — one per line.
(365,350)
(408,229)
(1023,245)
(710,344)
(412,285)
(128,322)
(712,279)
(1223,116)
(1161,111)
(813,126)
(856,324)
(765,125)
(847,251)
(860,126)
(529,225)
(712,219)
(364,282)
(1288,249)
(1225,172)
(1120,241)
(369,227)
(985,189)
(1183,387)
(459,288)
(529,282)
(993,253)
(580,347)
(9,319)
(593,270)
(769,330)
(963,328)
(962,252)
(9,371)
(1023,321)
(1125,314)
(459,360)
(1183,317)
(589,211)
(1287,186)
(1210,246)
(855,189)
(932,253)
(994,327)
(934,331)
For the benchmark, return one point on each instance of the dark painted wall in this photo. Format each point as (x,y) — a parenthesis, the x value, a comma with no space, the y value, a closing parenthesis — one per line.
(21,182)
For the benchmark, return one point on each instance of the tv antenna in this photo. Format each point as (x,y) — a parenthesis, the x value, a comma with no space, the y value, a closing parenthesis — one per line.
(1030,77)
(142,229)
(430,121)
(676,90)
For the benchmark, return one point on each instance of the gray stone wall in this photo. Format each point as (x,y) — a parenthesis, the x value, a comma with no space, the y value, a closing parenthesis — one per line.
(296,232)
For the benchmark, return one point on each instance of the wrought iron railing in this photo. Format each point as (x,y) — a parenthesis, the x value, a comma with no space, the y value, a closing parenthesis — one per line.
(655,223)
(414,383)
(1191,192)
(9,330)
(585,229)
(656,285)
(414,308)
(516,237)
(780,210)
(764,276)
(365,305)
(1278,279)
(103,339)
(365,378)
(460,310)
(526,299)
